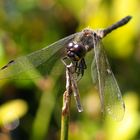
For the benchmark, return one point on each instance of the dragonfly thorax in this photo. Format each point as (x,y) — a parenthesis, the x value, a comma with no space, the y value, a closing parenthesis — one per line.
(75,51)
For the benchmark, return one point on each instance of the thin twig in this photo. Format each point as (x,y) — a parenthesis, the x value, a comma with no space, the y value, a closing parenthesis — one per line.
(71,86)
(65,117)
(66,107)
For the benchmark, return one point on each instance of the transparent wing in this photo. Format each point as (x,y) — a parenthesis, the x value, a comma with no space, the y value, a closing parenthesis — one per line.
(110,95)
(27,63)
(94,72)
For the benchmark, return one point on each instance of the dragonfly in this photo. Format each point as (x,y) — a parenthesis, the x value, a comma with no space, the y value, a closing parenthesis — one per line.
(74,48)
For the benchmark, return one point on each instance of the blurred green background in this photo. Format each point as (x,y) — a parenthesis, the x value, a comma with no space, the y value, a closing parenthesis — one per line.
(31,109)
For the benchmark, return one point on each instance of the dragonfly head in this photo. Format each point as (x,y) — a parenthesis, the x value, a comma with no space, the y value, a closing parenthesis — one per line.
(75,51)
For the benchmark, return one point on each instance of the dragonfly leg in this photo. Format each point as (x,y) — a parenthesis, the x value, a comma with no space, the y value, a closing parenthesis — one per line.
(64,60)
(80,67)
(68,63)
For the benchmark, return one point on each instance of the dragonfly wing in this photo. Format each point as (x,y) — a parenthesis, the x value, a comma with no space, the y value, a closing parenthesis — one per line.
(35,59)
(110,95)
(94,72)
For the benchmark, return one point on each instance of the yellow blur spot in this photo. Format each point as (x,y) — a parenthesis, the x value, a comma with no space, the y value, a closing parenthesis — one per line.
(128,127)
(12,111)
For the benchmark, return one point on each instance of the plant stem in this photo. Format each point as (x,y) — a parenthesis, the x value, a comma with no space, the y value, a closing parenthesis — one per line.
(66,106)
(65,116)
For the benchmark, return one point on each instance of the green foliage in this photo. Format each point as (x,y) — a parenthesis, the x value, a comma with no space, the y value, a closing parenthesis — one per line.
(26,26)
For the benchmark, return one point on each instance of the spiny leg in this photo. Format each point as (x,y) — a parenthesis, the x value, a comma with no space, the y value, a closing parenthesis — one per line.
(81,66)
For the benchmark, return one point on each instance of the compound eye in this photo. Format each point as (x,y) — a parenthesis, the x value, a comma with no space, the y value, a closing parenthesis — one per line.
(70,45)
(76,46)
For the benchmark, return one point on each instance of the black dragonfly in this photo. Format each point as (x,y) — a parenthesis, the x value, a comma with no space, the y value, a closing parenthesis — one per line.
(74,48)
